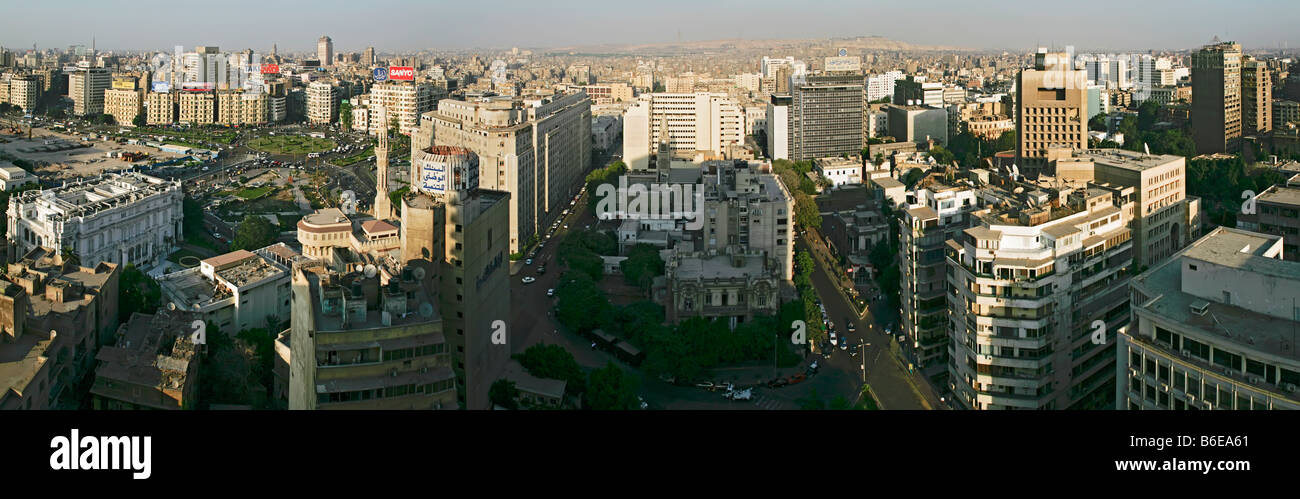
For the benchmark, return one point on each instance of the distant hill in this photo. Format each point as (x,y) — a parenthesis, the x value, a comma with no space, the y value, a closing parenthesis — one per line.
(855,44)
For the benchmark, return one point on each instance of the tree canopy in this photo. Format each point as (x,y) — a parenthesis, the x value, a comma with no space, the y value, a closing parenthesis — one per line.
(254,232)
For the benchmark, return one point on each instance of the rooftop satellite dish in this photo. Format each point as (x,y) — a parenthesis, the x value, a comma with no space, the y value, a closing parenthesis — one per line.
(171,306)
(426,310)
(370,270)
(418,273)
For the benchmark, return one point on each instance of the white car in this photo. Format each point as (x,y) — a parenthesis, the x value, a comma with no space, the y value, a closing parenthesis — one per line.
(550,292)
(834,339)
(529,280)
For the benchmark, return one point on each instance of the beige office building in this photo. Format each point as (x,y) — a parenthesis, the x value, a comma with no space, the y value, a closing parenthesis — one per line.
(160,108)
(197,108)
(24,91)
(539,152)
(86,87)
(699,121)
(238,107)
(325,51)
(124,101)
(322,103)
(1051,110)
(1216,102)
(1256,97)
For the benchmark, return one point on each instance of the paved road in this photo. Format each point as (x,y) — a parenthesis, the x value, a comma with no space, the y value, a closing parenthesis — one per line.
(894,387)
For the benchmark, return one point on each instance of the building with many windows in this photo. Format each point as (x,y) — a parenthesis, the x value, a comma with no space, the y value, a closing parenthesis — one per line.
(1216,105)
(122,218)
(1214,328)
(1029,285)
(699,121)
(86,88)
(826,116)
(1051,111)
(538,150)
(322,103)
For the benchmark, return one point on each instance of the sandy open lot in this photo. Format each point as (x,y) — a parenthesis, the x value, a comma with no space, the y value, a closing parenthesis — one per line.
(78,162)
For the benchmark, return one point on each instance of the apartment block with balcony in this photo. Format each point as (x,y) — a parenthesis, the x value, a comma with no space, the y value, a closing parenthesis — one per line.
(1027,286)
(1214,328)
(1277,212)
(937,214)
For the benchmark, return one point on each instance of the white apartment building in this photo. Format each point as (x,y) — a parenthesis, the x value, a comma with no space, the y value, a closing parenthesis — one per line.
(236,291)
(748,81)
(322,103)
(880,86)
(1027,282)
(403,101)
(936,214)
(698,121)
(1214,328)
(121,218)
(160,108)
(778,128)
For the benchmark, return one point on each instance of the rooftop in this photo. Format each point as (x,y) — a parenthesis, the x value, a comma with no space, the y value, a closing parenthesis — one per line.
(1282,195)
(1129,160)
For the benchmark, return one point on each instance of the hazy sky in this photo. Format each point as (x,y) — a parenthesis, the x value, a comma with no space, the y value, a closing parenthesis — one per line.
(393,24)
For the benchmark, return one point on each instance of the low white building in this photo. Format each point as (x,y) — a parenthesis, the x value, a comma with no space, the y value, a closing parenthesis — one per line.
(840,171)
(236,291)
(121,218)
(12,177)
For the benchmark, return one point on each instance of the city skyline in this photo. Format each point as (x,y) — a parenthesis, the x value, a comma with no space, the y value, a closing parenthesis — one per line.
(576,24)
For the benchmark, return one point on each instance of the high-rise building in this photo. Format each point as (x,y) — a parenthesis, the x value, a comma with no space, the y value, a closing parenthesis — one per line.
(322,103)
(161,108)
(368,57)
(1216,101)
(540,152)
(238,107)
(940,213)
(826,116)
(463,230)
(696,122)
(124,101)
(86,87)
(881,86)
(197,107)
(24,91)
(1213,328)
(1028,283)
(1051,110)
(1256,97)
(778,127)
(403,102)
(325,51)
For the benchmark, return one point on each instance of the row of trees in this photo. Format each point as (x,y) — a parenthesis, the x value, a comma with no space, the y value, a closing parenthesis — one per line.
(794,175)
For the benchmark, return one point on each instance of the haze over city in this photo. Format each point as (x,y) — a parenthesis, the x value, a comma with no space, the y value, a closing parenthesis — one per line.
(392,25)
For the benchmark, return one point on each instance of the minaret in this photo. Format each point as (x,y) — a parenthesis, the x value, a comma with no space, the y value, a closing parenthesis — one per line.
(383,206)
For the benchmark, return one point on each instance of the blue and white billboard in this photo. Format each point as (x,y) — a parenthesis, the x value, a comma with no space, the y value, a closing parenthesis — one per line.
(161,87)
(381,74)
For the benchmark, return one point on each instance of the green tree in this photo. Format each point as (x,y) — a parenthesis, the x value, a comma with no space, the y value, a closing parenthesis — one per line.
(611,389)
(137,292)
(643,264)
(580,305)
(254,232)
(554,362)
(504,393)
(139,120)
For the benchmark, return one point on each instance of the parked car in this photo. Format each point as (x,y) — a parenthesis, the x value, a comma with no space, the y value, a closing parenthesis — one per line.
(529,280)
(834,340)
(550,292)
(844,344)
(541,269)
(796,379)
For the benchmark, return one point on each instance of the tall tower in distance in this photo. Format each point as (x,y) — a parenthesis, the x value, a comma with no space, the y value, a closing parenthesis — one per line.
(325,51)
(1216,107)
(383,206)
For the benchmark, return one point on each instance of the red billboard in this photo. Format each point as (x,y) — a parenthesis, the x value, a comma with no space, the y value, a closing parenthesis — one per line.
(401,73)
(270,69)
